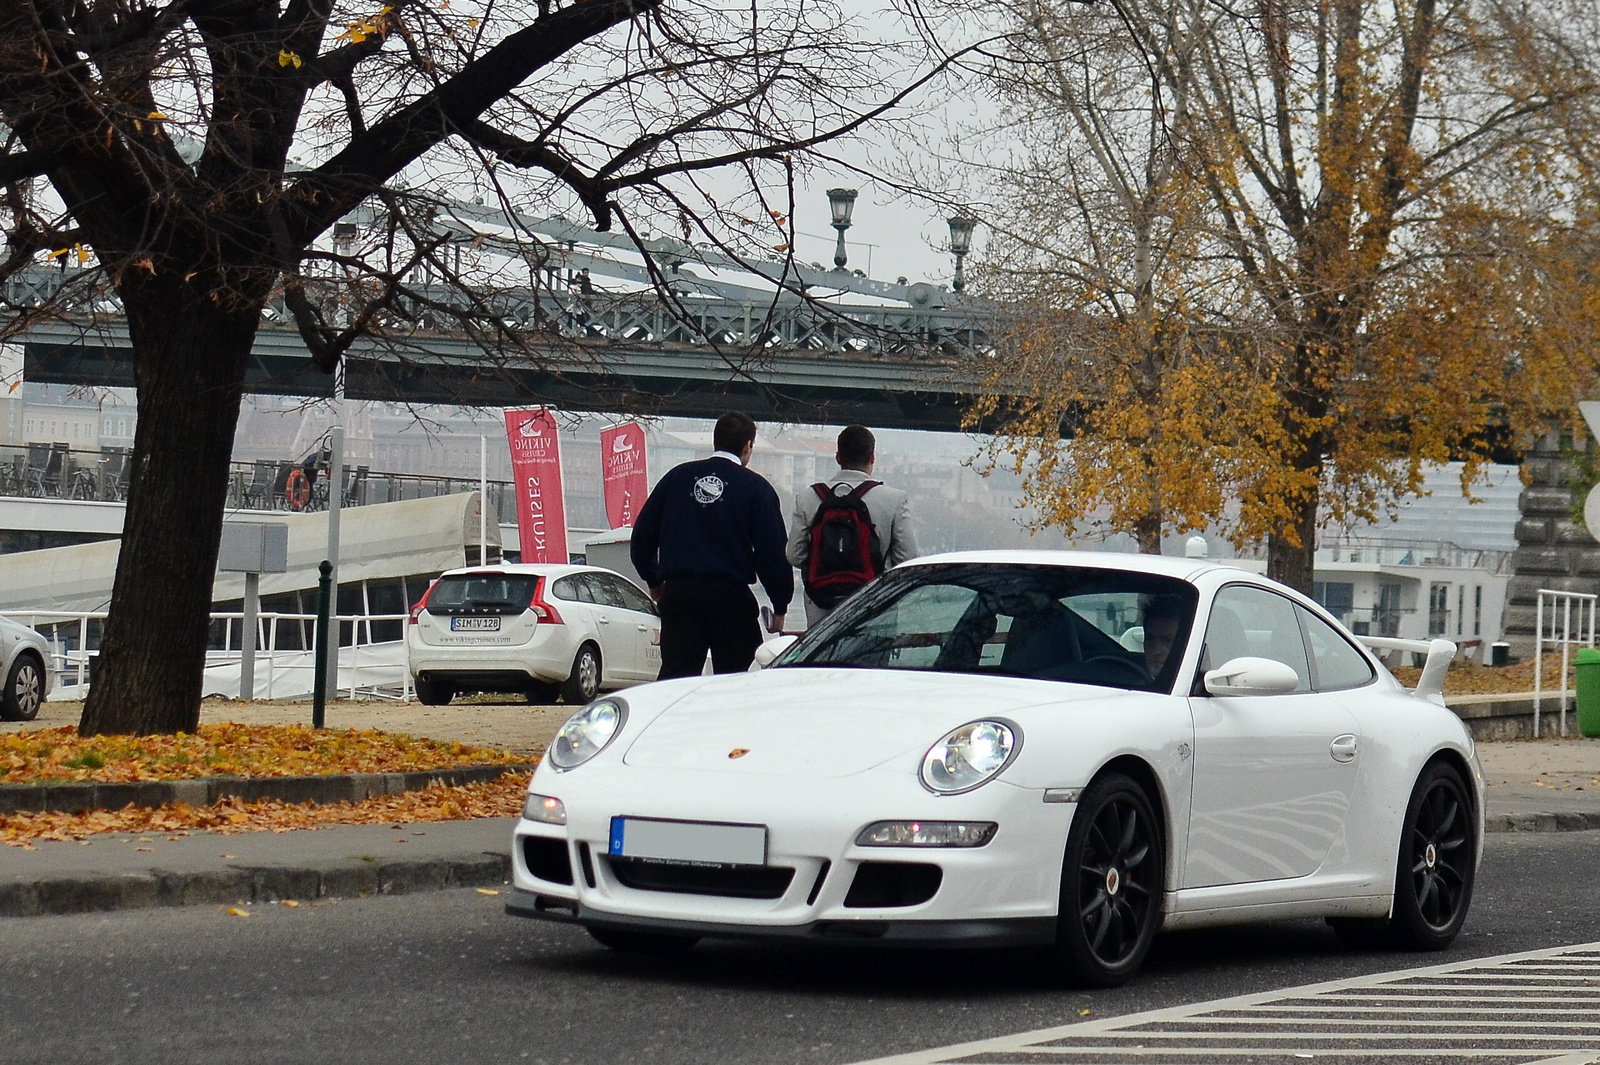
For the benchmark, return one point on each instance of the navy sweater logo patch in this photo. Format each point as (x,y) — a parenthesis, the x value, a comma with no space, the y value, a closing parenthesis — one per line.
(708,489)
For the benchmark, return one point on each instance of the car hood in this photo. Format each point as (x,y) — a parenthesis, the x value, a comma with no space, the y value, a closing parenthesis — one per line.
(826,722)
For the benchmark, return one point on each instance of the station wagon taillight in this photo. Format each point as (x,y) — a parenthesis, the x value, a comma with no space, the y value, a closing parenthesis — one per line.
(541,609)
(416,611)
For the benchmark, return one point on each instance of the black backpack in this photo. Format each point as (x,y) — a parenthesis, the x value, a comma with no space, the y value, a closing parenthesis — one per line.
(845,551)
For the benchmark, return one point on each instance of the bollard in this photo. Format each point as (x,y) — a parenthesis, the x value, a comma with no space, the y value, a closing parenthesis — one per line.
(1586,664)
(319,673)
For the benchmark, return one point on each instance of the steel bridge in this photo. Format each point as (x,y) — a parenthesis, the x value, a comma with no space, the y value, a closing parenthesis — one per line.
(790,343)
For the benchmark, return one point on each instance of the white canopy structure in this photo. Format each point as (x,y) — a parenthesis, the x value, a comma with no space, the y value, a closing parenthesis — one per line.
(383,541)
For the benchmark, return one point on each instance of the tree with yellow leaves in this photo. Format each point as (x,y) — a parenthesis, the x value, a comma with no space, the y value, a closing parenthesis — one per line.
(1351,174)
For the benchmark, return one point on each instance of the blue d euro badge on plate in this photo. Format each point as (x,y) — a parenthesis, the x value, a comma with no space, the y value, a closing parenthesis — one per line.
(688,842)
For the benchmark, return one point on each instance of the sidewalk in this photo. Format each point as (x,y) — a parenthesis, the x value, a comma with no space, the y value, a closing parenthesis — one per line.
(1534,785)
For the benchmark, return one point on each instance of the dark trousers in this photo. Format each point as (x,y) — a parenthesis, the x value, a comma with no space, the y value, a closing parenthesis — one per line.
(701,616)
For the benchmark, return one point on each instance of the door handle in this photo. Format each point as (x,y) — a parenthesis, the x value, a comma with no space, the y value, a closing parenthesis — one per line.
(1343,748)
(642,628)
(605,621)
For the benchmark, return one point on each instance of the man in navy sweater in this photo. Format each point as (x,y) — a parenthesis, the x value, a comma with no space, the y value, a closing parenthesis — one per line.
(709,529)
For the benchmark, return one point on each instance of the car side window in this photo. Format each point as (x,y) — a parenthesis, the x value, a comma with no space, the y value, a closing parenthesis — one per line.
(632,597)
(1255,622)
(603,589)
(572,590)
(1337,664)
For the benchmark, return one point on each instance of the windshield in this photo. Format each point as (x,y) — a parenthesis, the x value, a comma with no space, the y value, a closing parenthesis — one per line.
(1089,626)
(482,593)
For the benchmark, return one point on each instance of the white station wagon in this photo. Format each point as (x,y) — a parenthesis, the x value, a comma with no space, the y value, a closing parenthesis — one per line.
(1066,750)
(534,630)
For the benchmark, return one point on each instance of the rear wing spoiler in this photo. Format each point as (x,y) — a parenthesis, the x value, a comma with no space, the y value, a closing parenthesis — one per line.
(1430,686)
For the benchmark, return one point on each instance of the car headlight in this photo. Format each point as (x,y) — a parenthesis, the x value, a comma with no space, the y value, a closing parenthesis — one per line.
(970,756)
(587,732)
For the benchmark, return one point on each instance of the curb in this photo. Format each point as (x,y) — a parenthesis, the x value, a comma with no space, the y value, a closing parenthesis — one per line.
(1563,822)
(204,791)
(348,878)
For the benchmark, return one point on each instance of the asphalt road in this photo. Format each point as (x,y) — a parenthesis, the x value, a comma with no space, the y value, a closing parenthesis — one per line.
(449,978)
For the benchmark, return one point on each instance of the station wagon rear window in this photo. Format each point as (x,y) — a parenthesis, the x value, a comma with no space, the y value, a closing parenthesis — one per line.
(482,593)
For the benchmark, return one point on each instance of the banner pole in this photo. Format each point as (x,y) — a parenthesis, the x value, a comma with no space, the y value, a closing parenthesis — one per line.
(483,500)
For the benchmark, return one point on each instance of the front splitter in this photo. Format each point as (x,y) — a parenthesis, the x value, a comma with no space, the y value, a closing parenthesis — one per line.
(866,931)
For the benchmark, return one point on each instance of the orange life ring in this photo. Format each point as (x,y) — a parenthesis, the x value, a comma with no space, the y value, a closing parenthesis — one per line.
(297,490)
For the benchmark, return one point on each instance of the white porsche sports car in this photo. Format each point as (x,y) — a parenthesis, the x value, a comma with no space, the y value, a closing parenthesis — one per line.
(1067,750)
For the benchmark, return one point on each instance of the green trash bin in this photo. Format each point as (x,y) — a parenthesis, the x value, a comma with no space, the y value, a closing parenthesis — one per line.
(1586,664)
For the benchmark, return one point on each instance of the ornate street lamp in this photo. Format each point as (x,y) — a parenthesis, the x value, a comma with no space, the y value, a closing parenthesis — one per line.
(842,202)
(960,243)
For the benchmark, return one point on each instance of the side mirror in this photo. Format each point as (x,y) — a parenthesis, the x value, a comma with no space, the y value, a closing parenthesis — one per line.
(1251,676)
(774,646)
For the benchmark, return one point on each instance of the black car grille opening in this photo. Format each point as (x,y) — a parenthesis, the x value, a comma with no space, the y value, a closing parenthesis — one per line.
(728,881)
(884,884)
(547,859)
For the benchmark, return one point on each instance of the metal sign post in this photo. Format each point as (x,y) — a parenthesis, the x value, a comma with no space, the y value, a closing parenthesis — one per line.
(252,548)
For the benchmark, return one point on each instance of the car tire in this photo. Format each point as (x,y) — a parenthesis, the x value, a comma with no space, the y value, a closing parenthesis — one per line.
(1112,882)
(434,693)
(24,691)
(642,942)
(542,693)
(1437,866)
(583,684)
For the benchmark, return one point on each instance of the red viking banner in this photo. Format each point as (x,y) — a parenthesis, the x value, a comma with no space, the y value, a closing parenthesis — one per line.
(536,471)
(627,482)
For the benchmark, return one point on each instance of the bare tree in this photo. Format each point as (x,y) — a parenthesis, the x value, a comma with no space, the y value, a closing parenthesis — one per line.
(154,139)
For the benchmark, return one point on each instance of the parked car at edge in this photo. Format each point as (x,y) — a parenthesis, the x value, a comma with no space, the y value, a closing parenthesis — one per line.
(25,665)
(535,630)
(1072,751)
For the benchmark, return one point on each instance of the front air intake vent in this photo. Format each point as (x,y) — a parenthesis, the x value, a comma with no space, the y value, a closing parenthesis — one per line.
(547,859)
(728,881)
(880,885)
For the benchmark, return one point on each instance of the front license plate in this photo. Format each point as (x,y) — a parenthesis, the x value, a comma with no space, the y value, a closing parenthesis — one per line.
(474,624)
(689,842)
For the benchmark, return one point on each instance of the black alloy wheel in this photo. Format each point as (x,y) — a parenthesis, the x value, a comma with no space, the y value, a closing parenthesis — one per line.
(642,942)
(584,682)
(1111,884)
(1438,861)
(24,691)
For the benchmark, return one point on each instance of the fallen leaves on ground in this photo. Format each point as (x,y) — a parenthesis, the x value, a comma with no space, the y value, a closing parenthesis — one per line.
(437,802)
(1467,678)
(231,749)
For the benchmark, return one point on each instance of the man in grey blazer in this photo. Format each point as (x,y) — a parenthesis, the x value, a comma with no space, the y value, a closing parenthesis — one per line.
(888,508)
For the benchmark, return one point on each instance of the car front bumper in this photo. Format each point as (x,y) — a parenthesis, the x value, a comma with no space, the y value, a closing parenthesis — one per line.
(1005,892)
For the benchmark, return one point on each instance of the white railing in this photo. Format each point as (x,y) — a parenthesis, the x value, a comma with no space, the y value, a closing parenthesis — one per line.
(1555,625)
(368,668)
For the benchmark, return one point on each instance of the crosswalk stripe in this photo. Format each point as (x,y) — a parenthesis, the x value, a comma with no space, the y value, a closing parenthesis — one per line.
(1403,1016)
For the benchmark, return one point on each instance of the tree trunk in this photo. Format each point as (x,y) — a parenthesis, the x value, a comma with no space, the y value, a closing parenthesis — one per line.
(1147,529)
(191,345)
(1291,565)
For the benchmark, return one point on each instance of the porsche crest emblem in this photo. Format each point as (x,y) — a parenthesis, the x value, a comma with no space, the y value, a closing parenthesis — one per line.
(738,752)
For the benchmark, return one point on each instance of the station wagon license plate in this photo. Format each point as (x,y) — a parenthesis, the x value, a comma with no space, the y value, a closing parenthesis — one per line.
(688,842)
(474,624)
